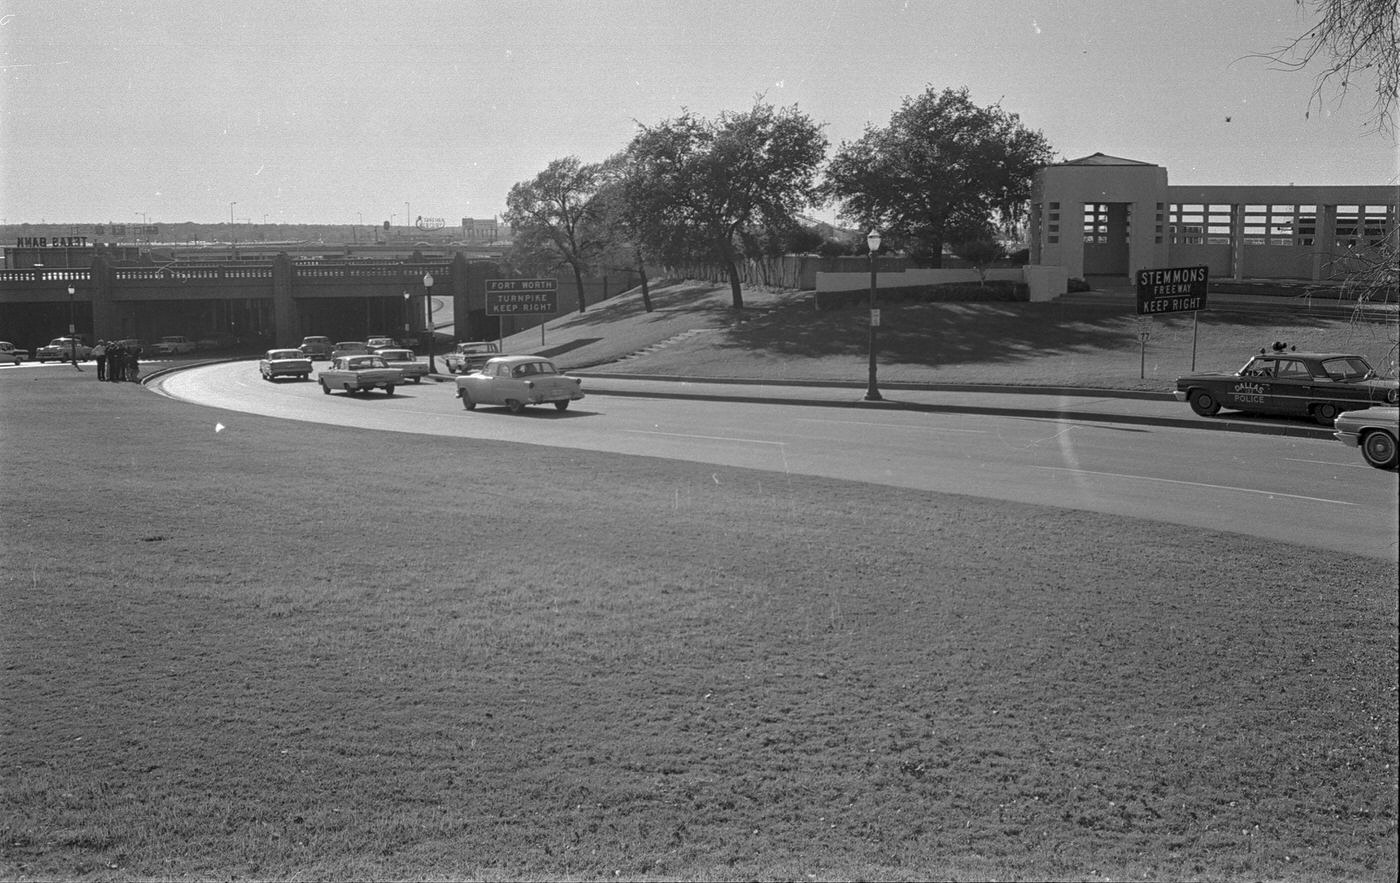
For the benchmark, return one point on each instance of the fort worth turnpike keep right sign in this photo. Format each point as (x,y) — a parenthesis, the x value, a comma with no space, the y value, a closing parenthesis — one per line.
(1173,290)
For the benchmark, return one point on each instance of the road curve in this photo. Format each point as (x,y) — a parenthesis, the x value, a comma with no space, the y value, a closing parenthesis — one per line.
(1304,491)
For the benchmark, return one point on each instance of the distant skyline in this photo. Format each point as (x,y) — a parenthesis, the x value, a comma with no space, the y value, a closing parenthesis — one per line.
(343,113)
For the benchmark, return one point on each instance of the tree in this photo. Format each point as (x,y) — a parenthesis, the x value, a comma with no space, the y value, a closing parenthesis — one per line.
(1351,39)
(697,184)
(551,216)
(981,254)
(943,167)
(619,224)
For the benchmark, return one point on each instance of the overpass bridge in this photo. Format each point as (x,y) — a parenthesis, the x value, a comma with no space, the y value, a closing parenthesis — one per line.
(276,301)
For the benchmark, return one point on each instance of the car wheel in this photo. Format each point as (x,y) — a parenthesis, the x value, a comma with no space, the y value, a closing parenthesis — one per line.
(467,401)
(1204,403)
(389,390)
(562,405)
(1325,413)
(417,380)
(1378,447)
(325,389)
(515,405)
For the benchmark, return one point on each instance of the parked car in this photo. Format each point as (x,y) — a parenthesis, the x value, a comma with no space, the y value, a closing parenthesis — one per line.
(467,357)
(406,362)
(11,353)
(517,381)
(1374,431)
(131,345)
(1289,383)
(316,347)
(349,348)
(174,345)
(62,349)
(218,340)
(285,363)
(359,373)
(376,344)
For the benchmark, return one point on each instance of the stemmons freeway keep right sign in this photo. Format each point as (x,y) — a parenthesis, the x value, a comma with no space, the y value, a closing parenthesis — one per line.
(1172,290)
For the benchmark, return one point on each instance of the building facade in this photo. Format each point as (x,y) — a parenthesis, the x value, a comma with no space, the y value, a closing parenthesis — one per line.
(1108,216)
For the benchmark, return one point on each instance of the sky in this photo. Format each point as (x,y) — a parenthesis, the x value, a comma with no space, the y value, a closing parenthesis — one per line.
(166,111)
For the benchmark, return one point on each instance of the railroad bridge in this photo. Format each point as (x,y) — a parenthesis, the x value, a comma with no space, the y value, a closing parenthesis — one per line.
(275,301)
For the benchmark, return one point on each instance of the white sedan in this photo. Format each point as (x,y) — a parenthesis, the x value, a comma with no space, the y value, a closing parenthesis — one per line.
(517,381)
(291,363)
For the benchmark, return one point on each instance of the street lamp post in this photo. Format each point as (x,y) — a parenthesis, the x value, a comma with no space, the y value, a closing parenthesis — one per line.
(872,242)
(432,332)
(73,326)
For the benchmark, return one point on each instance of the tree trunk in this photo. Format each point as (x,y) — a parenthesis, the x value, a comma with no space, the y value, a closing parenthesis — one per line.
(732,265)
(646,290)
(578,280)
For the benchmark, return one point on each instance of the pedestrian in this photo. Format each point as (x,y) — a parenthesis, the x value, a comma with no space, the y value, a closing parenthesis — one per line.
(99,355)
(116,358)
(133,367)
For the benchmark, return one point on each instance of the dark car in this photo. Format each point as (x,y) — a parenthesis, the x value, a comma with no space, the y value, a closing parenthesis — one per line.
(316,347)
(1288,383)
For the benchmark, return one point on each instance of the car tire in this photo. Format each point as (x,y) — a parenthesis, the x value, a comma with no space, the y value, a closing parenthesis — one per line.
(1378,447)
(389,390)
(417,380)
(1325,413)
(1204,403)
(325,389)
(467,401)
(562,405)
(515,405)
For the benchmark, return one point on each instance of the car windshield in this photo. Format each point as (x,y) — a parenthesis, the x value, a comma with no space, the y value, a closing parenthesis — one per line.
(285,354)
(368,362)
(1348,368)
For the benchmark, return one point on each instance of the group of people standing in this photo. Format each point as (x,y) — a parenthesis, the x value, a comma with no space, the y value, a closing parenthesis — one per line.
(116,362)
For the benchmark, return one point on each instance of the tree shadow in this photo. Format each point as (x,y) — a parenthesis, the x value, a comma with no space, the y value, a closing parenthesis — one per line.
(947,334)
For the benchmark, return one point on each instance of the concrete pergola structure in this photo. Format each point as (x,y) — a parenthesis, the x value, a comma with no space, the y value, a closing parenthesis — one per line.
(1108,216)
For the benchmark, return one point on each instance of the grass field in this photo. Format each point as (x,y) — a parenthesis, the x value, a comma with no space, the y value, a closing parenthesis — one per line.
(291,652)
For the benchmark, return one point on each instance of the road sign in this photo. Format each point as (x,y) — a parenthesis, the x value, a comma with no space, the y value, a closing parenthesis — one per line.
(513,297)
(1172,290)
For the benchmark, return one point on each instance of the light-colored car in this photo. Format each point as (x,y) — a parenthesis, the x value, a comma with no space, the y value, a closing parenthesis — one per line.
(376,344)
(517,381)
(285,363)
(11,353)
(468,356)
(174,345)
(359,373)
(316,347)
(62,349)
(1374,431)
(349,348)
(406,362)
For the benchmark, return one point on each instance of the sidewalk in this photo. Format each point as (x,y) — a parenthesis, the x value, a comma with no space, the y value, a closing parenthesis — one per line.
(1057,403)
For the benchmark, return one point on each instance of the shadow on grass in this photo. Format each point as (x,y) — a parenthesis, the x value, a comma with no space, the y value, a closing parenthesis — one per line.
(943,334)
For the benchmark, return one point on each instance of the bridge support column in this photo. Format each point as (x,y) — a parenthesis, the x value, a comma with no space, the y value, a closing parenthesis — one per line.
(286,331)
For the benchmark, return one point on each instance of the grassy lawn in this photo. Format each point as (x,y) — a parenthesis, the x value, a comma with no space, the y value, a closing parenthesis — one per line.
(284,651)
(780,336)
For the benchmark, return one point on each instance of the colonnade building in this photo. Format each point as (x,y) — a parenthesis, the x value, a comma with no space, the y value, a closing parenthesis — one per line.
(1107,216)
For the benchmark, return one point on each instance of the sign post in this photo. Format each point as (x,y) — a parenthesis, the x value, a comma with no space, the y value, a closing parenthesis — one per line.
(1173,290)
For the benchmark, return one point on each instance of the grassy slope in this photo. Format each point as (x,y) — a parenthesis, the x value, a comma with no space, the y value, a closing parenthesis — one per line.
(242,653)
(780,336)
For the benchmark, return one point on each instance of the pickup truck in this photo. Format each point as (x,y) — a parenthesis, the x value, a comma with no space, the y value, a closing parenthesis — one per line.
(61,349)
(174,345)
(359,373)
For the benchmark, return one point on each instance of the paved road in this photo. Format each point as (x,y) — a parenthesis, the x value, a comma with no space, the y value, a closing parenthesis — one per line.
(1307,490)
